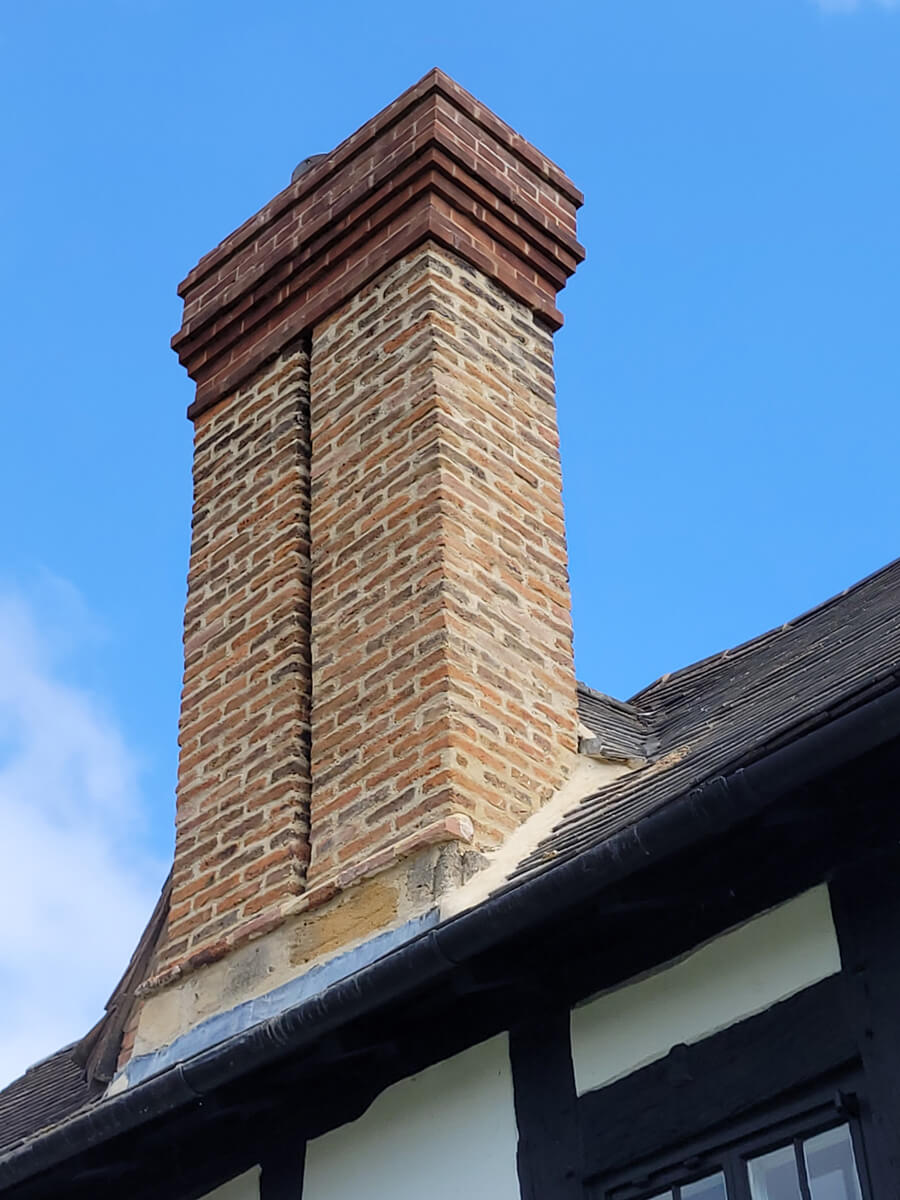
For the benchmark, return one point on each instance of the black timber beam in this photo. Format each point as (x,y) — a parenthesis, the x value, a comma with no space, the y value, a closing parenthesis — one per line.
(549,1151)
(866,906)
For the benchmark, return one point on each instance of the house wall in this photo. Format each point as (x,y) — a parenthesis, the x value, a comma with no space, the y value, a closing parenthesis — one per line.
(481,1123)
(447,1132)
(779,1011)
(743,972)
(776,1016)
(245,1187)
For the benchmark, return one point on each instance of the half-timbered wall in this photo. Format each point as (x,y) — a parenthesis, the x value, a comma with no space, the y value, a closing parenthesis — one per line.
(743,972)
(540,1112)
(783,1026)
(245,1187)
(446,1132)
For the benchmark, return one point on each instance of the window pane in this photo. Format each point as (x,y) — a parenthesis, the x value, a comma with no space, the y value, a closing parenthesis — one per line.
(662,1196)
(774,1176)
(711,1188)
(830,1166)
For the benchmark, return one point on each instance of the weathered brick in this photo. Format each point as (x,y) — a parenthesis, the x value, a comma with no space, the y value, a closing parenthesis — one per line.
(247,672)
(453,629)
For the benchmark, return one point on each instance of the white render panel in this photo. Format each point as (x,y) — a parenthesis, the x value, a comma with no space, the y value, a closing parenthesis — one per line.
(244,1187)
(738,974)
(446,1133)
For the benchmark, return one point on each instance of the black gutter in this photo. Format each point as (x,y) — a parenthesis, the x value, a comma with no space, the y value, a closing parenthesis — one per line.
(708,810)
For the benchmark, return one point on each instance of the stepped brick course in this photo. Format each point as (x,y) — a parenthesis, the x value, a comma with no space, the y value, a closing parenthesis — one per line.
(433,166)
(441,637)
(243,779)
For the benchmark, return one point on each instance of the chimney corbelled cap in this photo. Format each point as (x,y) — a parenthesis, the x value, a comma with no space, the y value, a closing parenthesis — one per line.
(434,165)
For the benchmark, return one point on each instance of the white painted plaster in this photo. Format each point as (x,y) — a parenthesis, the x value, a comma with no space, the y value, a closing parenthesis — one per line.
(244,1187)
(445,1133)
(588,777)
(738,974)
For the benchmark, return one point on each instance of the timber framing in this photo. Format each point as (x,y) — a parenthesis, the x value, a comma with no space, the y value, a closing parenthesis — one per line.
(210,1120)
(804,1046)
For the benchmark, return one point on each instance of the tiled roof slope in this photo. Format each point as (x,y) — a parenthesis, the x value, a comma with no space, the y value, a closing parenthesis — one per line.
(729,709)
(76,1076)
(623,730)
(49,1091)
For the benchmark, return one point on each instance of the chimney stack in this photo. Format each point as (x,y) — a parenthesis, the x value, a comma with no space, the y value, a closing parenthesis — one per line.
(378,649)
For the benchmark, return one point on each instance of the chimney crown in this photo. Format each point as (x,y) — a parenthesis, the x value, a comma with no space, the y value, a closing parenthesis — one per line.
(434,165)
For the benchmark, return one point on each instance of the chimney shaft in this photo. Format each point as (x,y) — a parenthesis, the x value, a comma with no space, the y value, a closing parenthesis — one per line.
(443,681)
(377,636)
(242,821)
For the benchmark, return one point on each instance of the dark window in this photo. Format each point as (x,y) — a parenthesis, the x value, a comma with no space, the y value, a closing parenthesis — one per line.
(774,1108)
(822,1166)
(713,1187)
(795,1159)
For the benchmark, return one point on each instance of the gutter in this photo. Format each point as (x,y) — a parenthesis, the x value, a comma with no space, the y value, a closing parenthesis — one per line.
(708,810)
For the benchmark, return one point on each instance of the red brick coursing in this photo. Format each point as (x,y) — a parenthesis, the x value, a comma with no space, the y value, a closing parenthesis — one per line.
(435,165)
(378,570)
(242,825)
(441,637)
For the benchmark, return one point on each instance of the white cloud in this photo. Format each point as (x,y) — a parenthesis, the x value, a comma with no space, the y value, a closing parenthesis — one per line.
(76,884)
(854,5)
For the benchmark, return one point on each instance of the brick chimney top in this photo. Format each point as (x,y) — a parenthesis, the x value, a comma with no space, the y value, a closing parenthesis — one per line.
(435,165)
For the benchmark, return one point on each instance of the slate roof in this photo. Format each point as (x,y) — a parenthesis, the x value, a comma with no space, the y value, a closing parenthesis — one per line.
(621,730)
(730,709)
(49,1091)
(75,1077)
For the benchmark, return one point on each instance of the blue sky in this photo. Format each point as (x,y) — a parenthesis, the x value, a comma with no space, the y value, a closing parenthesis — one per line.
(728,373)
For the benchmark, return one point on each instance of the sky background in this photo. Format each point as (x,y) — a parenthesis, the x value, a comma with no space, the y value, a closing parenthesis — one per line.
(728,375)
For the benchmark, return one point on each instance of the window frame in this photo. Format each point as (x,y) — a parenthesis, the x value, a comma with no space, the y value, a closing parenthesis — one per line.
(792,1071)
(730,1151)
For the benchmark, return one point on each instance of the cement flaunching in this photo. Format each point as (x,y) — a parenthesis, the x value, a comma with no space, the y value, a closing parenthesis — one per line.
(588,777)
(177,1023)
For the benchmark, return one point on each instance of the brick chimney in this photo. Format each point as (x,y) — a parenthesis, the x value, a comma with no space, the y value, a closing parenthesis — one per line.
(378,649)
